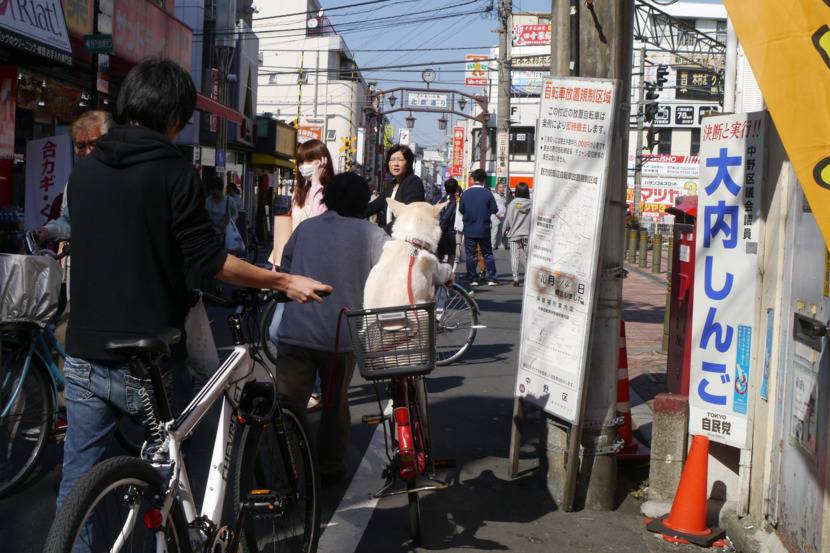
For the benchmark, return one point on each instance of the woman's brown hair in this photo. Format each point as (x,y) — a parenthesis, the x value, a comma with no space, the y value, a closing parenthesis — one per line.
(311,150)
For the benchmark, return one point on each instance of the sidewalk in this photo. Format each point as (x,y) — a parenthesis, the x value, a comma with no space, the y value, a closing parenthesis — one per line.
(644,299)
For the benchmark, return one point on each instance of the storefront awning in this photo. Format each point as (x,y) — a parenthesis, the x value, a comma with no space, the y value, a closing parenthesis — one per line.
(45,35)
(266,159)
(203,103)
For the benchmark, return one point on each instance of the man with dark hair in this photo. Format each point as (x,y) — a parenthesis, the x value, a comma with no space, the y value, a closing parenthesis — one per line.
(477,205)
(139,229)
(338,247)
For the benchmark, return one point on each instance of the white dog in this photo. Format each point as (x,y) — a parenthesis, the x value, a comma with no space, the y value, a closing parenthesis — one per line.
(415,237)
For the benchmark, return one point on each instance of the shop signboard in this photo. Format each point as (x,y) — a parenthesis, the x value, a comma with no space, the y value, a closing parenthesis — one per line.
(502,143)
(8,93)
(403,137)
(98,44)
(531,62)
(428,100)
(659,193)
(142,29)
(527,83)
(309,132)
(456,169)
(575,132)
(476,70)
(213,120)
(684,116)
(78,14)
(663,116)
(697,84)
(724,329)
(37,27)
(48,164)
(531,35)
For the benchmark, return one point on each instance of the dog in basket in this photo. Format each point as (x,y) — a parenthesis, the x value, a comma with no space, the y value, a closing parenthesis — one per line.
(406,274)
(408,270)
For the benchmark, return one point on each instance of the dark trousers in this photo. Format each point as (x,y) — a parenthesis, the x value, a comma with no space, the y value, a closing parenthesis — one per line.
(296,371)
(486,247)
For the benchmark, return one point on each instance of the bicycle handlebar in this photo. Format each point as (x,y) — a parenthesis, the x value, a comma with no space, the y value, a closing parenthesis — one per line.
(245,297)
(33,247)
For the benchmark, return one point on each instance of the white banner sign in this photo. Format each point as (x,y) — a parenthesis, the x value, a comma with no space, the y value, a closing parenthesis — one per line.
(436,100)
(48,164)
(403,137)
(726,268)
(502,144)
(575,130)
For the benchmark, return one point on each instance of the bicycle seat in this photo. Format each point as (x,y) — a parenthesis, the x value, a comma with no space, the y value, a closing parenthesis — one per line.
(155,343)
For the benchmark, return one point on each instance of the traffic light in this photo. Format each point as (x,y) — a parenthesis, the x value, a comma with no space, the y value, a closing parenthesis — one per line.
(662,75)
(651,91)
(651,139)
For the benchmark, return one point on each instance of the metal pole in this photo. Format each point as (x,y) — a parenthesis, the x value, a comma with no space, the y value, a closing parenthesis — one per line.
(574,35)
(638,152)
(503,110)
(643,248)
(657,254)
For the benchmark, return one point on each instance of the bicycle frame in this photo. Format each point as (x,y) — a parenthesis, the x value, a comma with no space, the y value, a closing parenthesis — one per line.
(40,345)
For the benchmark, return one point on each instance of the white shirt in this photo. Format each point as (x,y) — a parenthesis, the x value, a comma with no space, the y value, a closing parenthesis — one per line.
(389,211)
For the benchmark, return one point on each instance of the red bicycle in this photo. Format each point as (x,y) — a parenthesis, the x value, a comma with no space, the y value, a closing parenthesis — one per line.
(398,344)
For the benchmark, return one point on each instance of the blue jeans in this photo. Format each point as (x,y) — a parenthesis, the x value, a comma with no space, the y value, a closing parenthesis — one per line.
(97,396)
(486,250)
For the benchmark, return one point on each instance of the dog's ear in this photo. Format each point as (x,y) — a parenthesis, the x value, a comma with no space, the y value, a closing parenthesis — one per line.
(394,206)
(438,208)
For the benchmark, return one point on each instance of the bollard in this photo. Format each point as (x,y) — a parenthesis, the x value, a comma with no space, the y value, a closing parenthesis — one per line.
(657,254)
(670,255)
(643,248)
(632,245)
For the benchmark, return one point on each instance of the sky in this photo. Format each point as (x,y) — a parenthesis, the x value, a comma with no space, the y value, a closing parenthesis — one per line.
(405,30)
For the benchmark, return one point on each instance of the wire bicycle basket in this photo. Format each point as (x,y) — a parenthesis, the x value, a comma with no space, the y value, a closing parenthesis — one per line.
(393,341)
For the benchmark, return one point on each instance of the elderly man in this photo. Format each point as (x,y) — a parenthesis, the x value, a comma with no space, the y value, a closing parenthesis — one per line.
(86,130)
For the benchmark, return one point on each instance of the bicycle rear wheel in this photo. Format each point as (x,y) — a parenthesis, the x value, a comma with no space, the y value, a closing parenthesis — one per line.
(288,479)
(26,414)
(457,319)
(110,509)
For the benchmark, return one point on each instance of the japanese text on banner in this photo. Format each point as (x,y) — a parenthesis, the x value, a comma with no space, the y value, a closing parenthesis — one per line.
(726,267)
(48,164)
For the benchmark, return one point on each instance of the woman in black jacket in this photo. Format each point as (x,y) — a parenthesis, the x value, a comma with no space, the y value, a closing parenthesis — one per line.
(406,186)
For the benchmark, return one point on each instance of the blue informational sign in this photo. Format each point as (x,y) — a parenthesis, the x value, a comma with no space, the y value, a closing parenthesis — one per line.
(744,347)
(767,355)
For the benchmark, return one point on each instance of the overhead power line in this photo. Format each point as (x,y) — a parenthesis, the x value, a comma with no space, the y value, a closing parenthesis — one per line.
(307,13)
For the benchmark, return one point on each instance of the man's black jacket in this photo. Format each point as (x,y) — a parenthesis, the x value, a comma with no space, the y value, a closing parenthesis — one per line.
(139,224)
(410,190)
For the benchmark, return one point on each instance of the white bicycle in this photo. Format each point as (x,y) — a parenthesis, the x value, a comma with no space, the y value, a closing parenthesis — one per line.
(146,504)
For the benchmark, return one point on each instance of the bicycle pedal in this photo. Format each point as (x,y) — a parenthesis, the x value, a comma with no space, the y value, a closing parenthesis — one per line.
(373,420)
(479,327)
(264,503)
(444,463)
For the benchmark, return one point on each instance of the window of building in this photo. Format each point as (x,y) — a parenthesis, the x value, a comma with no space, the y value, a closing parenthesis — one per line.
(695,148)
(720,30)
(272,78)
(491,144)
(664,141)
(522,143)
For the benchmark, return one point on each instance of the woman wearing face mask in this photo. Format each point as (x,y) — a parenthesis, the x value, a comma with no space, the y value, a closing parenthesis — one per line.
(406,186)
(314,171)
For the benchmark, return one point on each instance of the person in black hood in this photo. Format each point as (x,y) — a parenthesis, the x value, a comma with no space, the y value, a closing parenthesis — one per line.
(139,230)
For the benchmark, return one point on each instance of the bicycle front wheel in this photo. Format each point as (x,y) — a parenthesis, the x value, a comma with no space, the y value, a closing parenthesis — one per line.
(457,318)
(26,414)
(278,467)
(112,509)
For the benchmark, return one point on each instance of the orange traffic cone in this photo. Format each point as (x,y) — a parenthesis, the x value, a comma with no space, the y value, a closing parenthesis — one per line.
(686,523)
(632,449)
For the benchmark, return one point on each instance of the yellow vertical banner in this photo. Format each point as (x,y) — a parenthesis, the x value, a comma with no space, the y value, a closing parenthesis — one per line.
(788,46)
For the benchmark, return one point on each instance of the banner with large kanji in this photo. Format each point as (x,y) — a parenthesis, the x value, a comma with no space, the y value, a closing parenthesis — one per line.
(48,164)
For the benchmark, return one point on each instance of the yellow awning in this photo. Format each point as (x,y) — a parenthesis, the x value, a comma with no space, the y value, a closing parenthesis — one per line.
(266,159)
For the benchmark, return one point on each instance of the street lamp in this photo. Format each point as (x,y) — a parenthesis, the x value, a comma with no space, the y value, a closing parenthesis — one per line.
(442,122)
(392,100)
(410,121)
(462,103)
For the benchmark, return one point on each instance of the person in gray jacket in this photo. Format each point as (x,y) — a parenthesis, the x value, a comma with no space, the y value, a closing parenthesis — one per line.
(517,229)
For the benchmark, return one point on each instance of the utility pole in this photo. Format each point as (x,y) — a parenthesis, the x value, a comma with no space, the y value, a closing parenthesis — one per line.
(603,44)
(638,152)
(503,109)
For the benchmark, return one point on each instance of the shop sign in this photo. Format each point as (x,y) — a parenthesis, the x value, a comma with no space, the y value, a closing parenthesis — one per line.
(37,27)
(8,93)
(476,70)
(403,137)
(142,29)
(527,83)
(575,131)
(456,169)
(286,143)
(428,100)
(502,142)
(531,62)
(48,164)
(684,116)
(531,35)
(663,116)
(213,120)
(726,273)
(78,14)
(98,44)
(309,132)
(697,84)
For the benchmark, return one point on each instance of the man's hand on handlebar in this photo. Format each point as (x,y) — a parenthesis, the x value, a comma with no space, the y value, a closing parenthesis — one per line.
(303,289)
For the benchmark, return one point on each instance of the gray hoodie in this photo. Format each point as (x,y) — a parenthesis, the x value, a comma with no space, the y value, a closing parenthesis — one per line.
(517,220)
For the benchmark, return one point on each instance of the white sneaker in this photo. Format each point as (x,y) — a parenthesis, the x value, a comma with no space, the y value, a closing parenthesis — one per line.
(492,283)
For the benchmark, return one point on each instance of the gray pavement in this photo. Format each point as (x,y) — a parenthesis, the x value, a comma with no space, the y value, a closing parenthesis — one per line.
(471,406)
